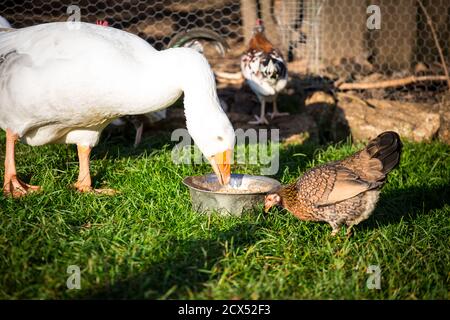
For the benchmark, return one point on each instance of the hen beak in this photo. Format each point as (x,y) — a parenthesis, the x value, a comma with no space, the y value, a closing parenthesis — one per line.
(267,207)
(221,164)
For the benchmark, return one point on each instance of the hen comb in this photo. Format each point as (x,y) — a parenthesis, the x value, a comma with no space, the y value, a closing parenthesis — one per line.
(103,23)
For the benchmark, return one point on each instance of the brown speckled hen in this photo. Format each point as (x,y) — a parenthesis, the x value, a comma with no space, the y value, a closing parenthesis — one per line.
(341,192)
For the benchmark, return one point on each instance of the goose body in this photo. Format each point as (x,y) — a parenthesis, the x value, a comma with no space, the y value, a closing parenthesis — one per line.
(63,83)
(67,85)
(187,39)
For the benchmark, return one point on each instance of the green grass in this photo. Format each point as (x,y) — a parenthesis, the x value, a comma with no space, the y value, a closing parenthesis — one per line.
(146,242)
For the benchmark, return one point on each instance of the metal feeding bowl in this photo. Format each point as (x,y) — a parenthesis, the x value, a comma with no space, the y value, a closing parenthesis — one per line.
(243,192)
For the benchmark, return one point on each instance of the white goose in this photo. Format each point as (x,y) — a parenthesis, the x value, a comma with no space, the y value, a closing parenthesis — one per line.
(63,85)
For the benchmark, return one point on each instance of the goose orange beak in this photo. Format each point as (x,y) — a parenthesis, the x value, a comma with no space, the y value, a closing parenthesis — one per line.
(221,164)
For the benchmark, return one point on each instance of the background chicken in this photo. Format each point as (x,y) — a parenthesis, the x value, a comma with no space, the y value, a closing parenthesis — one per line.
(265,71)
(342,192)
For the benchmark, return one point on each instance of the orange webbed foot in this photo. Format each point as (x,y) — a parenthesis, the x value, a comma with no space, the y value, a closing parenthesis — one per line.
(14,187)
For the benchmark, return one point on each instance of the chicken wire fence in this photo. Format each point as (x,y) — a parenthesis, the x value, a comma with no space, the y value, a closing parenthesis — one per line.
(345,40)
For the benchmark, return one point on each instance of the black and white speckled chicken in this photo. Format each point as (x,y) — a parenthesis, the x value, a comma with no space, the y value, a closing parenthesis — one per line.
(342,192)
(265,71)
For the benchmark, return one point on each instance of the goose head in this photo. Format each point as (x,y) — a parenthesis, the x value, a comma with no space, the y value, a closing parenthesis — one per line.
(214,136)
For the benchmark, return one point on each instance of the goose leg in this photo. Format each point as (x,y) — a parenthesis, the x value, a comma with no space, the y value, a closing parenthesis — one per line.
(275,112)
(262,119)
(84,183)
(12,185)
(84,176)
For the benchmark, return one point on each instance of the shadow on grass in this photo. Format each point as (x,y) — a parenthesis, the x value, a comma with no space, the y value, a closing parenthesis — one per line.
(296,157)
(186,267)
(406,204)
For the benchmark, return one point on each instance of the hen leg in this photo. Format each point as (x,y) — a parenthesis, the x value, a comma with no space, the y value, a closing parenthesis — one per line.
(349,231)
(138,124)
(139,129)
(275,112)
(84,183)
(336,225)
(262,119)
(12,186)
(335,231)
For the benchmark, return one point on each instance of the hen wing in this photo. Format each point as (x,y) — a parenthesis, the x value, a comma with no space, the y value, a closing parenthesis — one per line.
(331,183)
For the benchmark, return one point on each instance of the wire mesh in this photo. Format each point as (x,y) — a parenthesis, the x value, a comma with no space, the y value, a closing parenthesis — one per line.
(328,38)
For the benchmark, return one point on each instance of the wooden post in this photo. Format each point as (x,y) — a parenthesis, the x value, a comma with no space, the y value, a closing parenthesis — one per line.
(342,29)
(287,15)
(270,26)
(249,16)
(439,12)
(394,43)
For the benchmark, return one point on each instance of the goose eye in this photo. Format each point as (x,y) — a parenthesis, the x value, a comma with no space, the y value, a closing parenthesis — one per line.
(219,138)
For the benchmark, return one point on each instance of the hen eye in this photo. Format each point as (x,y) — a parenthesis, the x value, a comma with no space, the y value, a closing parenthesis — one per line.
(219,138)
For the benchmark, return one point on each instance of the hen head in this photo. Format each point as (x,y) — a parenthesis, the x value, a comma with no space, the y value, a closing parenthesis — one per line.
(272,199)
(259,26)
